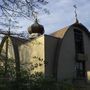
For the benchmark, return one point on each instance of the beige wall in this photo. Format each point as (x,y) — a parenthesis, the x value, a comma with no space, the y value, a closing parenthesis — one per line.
(10,49)
(10,53)
(32,55)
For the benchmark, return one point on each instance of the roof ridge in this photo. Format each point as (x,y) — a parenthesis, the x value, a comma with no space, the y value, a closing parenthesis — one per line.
(60,33)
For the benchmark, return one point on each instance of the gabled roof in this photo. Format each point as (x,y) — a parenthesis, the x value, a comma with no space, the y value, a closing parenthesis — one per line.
(60,33)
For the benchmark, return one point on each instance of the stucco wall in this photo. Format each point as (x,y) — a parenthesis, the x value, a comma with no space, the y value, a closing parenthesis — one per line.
(50,50)
(66,61)
(32,55)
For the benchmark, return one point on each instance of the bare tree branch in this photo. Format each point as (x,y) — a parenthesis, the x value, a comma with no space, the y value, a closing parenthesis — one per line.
(20,7)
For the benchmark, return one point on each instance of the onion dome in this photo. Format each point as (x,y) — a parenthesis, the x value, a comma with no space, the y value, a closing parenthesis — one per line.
(36,28)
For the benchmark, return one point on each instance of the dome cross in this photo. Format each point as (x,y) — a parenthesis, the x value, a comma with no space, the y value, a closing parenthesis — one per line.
(75,7)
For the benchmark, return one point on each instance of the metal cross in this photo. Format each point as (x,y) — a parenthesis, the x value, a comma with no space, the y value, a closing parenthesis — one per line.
(35,15)
(75,12)
(9,26)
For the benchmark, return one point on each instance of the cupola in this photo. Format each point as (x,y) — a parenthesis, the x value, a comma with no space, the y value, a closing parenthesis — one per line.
(36,28)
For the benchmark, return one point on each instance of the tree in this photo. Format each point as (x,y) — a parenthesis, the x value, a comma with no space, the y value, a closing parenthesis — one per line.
(10,10)
(18,8)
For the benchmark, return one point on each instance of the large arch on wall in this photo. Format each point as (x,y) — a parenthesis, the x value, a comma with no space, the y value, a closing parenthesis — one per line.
(15,51)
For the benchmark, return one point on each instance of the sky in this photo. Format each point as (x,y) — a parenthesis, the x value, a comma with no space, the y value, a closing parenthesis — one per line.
(61,15)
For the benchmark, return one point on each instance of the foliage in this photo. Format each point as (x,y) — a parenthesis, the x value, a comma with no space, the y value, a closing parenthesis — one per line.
(29,81)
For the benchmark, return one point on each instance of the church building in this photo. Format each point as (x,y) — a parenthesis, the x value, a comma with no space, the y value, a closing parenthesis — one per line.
(64,54)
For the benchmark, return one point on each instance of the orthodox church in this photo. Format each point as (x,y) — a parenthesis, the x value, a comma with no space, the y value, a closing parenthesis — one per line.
(64,54)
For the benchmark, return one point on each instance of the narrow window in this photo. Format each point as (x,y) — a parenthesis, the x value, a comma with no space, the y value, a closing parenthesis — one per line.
(78,41)
(79,49)
(80,69)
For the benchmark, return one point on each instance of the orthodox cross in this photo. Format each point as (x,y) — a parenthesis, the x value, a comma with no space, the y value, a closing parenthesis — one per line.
(35,15)
(9,26)
(75,12)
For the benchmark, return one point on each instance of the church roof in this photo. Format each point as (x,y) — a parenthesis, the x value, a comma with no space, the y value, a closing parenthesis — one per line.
(60,33)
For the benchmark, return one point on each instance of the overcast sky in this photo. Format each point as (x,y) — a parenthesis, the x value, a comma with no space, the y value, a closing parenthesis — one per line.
(62,15)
